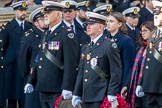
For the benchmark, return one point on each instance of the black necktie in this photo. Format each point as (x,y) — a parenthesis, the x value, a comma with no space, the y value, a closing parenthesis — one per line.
(84,26)
(72,27)
(22,26)
(92,43)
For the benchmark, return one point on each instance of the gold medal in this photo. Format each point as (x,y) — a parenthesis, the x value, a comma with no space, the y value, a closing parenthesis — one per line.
(150,45)
(88,56)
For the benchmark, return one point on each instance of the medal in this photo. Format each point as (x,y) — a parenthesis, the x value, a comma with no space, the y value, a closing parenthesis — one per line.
(93,61)
(150,45)
(88,56)
(160,46)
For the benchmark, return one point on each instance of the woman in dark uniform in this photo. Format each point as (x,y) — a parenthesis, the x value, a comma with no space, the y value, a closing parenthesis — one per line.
(118,31)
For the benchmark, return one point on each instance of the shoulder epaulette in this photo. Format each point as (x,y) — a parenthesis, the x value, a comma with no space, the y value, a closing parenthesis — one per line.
(3,25)
(28,32)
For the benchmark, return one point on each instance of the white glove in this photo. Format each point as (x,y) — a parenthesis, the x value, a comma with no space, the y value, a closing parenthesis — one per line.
(113,100)
(139,91)
(66,94)
(28,88)
(75,100)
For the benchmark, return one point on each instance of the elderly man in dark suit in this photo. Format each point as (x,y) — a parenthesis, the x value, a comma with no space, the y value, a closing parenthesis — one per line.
(100,67)
(57,58)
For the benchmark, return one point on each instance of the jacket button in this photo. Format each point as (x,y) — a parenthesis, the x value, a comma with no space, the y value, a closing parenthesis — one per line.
(41,59)
(1,49)
(86,71)
(148,59)
(76,69)
(150,52)
(147,67)
(2,58)
(2,67)
(87,62)
(40,67)
(85,80)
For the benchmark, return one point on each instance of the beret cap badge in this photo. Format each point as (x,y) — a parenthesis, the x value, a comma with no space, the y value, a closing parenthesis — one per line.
(87,3)
(135,11)
(24,4)
(67,4)
(42,11)
(108,9)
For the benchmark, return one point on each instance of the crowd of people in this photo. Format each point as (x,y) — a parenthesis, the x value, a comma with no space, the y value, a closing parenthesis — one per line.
(82,52)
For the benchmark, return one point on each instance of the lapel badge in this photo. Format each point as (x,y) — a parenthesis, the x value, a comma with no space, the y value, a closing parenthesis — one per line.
(153,36)
(160,46)
(114,45)
(94,62)
(82,56)
(71,35)
(150,45)
(88,56)
(43,45)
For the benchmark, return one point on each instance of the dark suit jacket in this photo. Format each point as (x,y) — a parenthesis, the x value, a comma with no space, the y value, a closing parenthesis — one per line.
(2,73)
(11,38)
(61,43)
(152,72)
(125,43)
(89,85)
(29,50)
(145,15)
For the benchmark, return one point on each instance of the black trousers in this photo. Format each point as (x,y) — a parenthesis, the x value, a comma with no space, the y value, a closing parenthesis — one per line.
(91,104)
(47,100)
(140,102)
(153,100)
(32,100)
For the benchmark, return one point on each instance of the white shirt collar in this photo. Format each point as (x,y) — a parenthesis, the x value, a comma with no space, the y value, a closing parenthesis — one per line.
(96,39)
(68,24)
(132,28)
(79,21)
(54,27)
(149,10)
(19,22)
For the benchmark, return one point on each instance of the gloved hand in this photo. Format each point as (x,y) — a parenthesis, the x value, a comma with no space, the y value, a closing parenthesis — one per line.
(113,100)
(139,91)
(124,92)
(28,88)
(75,100)
(66,94)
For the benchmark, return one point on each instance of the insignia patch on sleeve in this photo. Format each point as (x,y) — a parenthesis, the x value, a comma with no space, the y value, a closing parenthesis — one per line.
(71,35)
(114,45)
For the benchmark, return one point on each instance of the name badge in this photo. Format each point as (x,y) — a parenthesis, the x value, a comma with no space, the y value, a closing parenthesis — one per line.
(94,61)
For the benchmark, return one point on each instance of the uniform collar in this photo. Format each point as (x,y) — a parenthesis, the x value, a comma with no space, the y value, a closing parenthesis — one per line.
(19,22)
(54,27)
(132,28)
(97,38)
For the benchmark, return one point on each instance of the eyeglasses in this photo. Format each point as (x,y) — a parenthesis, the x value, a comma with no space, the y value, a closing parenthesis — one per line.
(67,10)
(41,18)
(144,31)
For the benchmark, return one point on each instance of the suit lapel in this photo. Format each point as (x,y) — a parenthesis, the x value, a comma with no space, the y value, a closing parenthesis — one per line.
(98,43)
(55,32)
